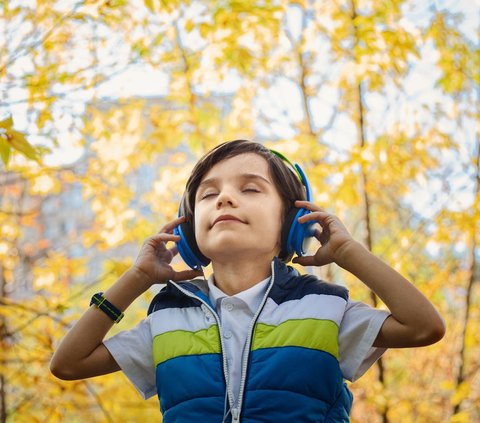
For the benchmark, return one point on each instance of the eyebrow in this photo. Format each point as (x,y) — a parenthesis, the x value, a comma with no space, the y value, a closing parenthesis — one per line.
(210,181)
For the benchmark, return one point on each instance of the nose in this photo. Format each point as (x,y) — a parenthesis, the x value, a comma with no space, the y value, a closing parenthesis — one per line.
(225,198)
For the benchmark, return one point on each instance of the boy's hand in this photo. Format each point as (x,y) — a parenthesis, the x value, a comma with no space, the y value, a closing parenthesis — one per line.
(154,257)
(334,236)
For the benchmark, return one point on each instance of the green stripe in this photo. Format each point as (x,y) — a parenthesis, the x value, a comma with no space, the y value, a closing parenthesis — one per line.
(309,333)
(181,342)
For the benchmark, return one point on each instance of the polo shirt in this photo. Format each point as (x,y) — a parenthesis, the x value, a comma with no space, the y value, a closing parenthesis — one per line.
(236,313)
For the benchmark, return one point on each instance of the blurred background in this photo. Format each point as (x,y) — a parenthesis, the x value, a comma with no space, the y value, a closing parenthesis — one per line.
(106,105)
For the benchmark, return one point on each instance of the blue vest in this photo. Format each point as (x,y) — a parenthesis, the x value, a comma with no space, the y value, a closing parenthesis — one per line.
(290,369)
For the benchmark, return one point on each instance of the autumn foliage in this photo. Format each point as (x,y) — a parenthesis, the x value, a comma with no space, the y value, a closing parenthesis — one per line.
(106,105)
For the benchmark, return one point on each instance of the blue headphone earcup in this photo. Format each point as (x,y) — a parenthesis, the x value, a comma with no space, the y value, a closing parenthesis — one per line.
(300,234)
(295,235)
(187,247)
(286,253)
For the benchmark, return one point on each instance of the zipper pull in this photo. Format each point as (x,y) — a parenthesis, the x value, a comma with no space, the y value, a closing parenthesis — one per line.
(235,415)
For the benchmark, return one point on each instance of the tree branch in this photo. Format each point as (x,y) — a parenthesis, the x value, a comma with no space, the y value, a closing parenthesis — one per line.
(27,48)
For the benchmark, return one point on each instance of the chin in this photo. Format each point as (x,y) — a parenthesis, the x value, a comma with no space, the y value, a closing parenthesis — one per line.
(235,252)
(233,243)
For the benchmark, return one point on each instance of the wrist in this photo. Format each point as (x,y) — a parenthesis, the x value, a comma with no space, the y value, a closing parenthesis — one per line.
(107,307)
(345,253)
(140,278)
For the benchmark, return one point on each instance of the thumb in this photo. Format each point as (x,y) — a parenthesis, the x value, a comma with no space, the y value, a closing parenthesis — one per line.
(184,275)
(320,258)
(304,260)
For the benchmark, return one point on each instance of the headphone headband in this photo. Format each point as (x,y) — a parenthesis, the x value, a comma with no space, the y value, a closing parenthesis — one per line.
(299,172)
(277,153)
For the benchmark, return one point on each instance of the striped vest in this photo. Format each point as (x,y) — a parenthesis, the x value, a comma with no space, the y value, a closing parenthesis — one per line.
(290,369)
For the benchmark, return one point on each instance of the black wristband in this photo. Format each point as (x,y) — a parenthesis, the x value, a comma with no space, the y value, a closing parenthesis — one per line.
(107,307)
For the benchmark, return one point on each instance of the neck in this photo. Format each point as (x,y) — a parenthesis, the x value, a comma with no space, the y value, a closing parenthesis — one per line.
(236,277)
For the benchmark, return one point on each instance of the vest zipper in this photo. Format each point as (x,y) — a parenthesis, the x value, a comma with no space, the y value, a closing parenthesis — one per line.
(246,353)
(224,358)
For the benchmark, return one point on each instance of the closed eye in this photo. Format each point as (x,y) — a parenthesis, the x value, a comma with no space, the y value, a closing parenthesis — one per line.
(213,194)
(208,194)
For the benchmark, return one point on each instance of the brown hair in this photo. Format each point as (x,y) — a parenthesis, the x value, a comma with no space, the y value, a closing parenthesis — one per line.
(287,183)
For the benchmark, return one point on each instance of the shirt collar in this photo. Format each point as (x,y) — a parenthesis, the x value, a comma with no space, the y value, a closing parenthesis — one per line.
(252,296)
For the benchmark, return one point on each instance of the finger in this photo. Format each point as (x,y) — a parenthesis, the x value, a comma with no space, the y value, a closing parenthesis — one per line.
(167,255)
(173,251)
(317,233)
(165,237)
(307,205)
(318,216)
(323,235)
(304,260)
(320,258)
(170,226)
(185,275)
(159,240)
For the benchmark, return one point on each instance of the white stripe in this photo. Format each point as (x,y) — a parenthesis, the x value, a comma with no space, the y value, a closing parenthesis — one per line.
(190,319)
(314,306)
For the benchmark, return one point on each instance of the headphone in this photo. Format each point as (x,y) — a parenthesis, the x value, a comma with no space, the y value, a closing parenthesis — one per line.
(295,236)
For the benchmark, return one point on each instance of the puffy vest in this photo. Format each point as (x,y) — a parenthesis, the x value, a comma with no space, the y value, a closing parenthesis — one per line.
(290,369)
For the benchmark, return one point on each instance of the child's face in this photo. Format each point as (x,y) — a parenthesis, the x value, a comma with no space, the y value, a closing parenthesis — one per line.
(238,210)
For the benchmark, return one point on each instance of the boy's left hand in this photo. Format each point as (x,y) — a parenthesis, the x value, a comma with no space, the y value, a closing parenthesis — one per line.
(334,236)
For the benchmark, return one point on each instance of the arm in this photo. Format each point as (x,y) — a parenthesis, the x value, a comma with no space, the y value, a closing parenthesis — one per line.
(81,354)
(414,321)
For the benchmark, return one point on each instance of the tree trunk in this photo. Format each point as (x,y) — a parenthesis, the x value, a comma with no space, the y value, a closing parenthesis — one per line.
(3,332)
(472,264)
(368,232)
(360,123)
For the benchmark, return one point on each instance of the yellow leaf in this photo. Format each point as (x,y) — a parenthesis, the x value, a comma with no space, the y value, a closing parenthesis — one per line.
(447,385)
(462,392)
(189,25)
(150,5)
(19,143)
(7,123)
(461,417)
(4,151)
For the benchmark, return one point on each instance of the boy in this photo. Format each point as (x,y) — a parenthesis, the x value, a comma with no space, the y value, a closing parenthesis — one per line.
(257,342)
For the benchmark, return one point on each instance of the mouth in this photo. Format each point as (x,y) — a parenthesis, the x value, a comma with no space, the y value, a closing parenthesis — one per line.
(227,218)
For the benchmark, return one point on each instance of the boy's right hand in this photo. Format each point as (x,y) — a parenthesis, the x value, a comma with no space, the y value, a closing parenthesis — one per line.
(154,258)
